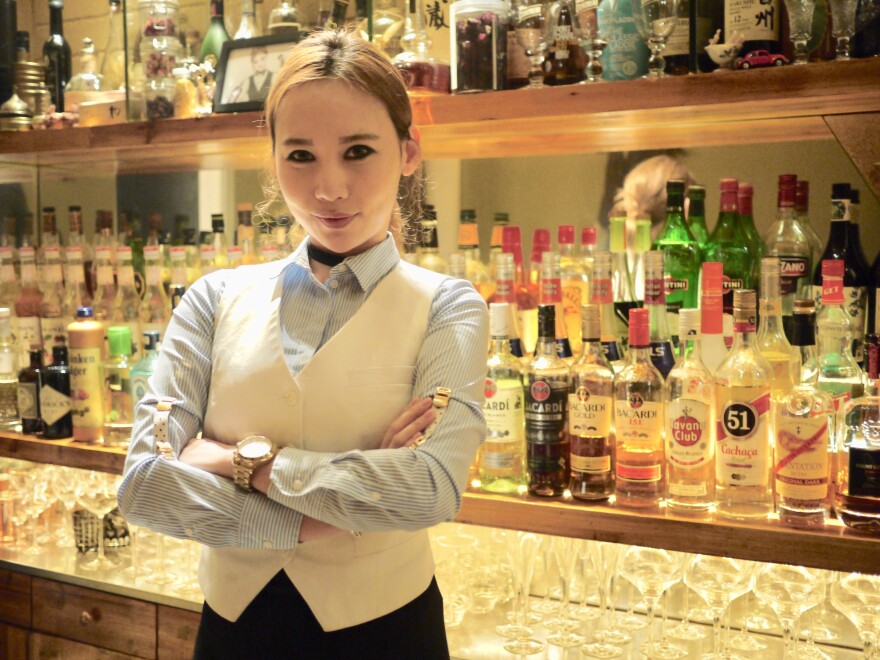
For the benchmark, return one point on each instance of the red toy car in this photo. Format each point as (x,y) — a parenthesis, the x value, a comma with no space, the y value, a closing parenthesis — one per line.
(760,58)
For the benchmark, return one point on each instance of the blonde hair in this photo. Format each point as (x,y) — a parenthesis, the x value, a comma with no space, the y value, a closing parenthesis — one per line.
(342,55)
(643,194)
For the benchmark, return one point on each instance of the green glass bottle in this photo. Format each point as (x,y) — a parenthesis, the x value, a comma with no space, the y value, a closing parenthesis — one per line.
(682,255)
(745,194)
(728,244)
(697,215)
(216,34)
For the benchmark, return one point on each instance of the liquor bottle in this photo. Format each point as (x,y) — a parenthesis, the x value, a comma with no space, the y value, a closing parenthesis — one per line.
(247,27)
(53,321)
(75,239)
(857,501)
(745,195)
(676,53)
(9,54)
(86,336)
(86,85)
(179,274)
(245,234)
(457,267)
(621,282)
(104,238)
(469,245)
(499,222)
(662,355)
(29,394)
(501,457)
(105,288)
(281,234)
(682,255)
(505,292)
(590,415)
(575,284)
(854,237)
(635,254)
(696,216)
(603,297)
(714,348)
(142,370)
(547,384)
(588,249)
(873,297)
(728,245)
(551,294)
(207,259)
(802,208)
(744,459)
(234,255)
(804,422)
(9,287)
(216,34)
(541,243)
(154,308)
(113,60)
(118,409)
(786,240)
(55,410)
(127,306)
(49,238)
(56,56)
(283,19)
(9,417)
(526,299)
(28,332)
(626,56)
(566,59)
(218,241)
(839,374)
(639,401)
(429,247)
(771,340)
(707,16)
(690,424)
(757,21)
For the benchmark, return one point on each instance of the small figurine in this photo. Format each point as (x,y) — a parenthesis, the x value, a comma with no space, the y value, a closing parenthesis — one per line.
(760,58)
(724,54)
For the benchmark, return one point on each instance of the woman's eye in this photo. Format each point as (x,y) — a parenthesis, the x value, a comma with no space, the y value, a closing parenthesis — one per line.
(300,156)
(359,151)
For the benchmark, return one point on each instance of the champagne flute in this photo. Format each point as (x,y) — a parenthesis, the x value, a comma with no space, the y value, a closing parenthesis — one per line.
(790,591)
(62,484)
(521,553)
(858,597)
(35,502)
(531,33)
(606,640)
(565,551)
(843,26)
(655,20)
(96,492)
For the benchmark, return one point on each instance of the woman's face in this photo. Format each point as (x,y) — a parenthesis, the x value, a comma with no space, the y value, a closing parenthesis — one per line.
(339,161)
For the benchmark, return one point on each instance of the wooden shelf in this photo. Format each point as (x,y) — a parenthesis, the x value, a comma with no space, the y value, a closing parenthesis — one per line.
(62,452)
(741,107)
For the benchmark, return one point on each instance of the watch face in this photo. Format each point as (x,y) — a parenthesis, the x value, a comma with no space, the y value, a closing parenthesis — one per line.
(255,448)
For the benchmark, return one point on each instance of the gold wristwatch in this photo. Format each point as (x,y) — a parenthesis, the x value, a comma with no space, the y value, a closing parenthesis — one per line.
(250,453)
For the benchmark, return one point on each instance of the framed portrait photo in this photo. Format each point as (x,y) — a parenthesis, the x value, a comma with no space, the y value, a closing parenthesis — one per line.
(247,68)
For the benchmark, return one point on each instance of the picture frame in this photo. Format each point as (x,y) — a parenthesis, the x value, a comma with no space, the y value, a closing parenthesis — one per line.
(246,68)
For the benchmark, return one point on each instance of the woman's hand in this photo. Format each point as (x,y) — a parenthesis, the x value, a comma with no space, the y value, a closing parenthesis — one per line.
(209,455)
(408,427)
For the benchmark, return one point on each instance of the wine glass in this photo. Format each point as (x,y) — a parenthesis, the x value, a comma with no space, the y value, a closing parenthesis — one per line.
(531,33)
(521,553)
(858,596)
(594,41)
(96,492)
(685,630)
(62,484)
(655,20)
(565,552)
(800,16)
(606,640)
(35,502)
(790,591)
(652,571)
(843,26)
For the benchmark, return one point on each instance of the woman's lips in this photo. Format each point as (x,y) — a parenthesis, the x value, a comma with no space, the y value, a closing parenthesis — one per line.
(335,221)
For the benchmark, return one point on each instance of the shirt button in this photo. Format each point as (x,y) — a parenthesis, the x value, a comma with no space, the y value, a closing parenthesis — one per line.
(297,485)
(188,531)
(334,284)
(267,544)
(375,496)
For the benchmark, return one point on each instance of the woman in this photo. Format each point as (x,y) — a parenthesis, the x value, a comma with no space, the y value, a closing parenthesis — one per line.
(321,354)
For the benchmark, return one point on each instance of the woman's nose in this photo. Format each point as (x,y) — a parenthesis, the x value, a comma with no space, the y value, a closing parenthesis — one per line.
(331,184)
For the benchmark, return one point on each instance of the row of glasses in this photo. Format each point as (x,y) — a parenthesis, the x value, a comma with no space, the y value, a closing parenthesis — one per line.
(801,20)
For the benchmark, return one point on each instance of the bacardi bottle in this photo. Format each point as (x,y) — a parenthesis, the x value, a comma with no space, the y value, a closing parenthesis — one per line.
(639,400)
(744,457)
(547,384)
(729,245)
(501,458)
(804,423)
(602,296)
(575,284)
(714,348)
(551,294)
(590,415)
(690,425)
(662,354)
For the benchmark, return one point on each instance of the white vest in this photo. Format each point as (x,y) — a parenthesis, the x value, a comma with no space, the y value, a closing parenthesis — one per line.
(344,399)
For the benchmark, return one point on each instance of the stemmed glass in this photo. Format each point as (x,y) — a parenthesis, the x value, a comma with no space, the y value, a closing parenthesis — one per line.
(800,16)
(719,581)
(531,33)
(655,20)
(62,484)
(653,571)
(565,551)
(96,492)
(790,591)
(521,553)
(858,597)
(607,640)
(594,42)
(843,26)
(685,630)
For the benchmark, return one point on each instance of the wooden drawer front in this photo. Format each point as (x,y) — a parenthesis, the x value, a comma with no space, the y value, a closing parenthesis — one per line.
(13,643)
(15,598)
(94,617)
(177,633)
(47,647)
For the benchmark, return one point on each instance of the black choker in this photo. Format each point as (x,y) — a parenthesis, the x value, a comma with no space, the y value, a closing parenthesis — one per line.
(323,257)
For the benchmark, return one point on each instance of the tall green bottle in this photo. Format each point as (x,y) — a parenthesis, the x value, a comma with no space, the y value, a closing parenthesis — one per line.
(216,34)
(697,214)
(729,245)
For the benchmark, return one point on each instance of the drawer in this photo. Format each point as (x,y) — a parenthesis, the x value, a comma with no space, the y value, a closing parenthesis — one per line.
(47,647)
(177,633)
(13,643)
(111,622)
(15,598)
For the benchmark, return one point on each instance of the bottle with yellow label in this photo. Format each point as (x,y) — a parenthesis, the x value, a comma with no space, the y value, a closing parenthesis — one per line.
(86,337)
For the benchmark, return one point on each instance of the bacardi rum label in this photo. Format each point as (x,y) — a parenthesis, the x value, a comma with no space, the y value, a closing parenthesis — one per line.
(688,436)
(638,422)
(545,420)
(743,439)
(589,414)
(504,409)
(802,457)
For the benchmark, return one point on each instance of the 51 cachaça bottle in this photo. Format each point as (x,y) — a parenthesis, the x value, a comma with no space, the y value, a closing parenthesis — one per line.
(501,455)
(547,385)
(742,400)
(590,415)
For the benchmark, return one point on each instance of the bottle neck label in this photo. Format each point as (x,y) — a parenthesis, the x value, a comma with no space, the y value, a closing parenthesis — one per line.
(655,293)
(551,290)
(602,292)
(712,316)
(832,291)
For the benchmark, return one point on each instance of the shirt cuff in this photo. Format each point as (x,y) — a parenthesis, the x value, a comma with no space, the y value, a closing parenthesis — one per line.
(270,526)
(293,480)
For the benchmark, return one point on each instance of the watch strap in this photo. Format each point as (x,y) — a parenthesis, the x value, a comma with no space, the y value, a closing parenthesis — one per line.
(440,403)
(160,426)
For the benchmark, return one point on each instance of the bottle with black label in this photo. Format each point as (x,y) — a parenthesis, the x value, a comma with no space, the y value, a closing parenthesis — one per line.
(55,397)
(757,21)
(29,394)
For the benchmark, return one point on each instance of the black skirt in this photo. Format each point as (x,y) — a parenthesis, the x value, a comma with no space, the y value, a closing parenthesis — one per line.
(279,624)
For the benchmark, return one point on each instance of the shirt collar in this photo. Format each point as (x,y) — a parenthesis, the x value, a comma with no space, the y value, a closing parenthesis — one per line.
(368,267)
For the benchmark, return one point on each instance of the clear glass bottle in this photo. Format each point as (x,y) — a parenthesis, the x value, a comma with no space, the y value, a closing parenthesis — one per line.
(621,280)
(804,432)
(662,353)
(9,418)
(87,84)
(177,254)
(29,393)
(117,388)
(551,294)
(588,249)
(541,243)
(575,284)
(502,455)
(602,295)
(113,58)
(283,18)
(499,222)
(28,332)
(590,414)
(127,306)
(505,292)
(423,73)
(154,308)
(526,298)
(9,287)
(245,234)
(429,247)
(105,287)
(469,245)
(639,402)
(76,239)
(771,339)
(714,348)
(802,208)
(690,425)
(744,458)
(49,237)
(547,384)
(53,321)
(247,27)
(143,369)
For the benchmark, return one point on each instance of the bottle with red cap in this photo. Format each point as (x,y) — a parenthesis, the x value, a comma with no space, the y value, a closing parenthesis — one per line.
(712,315)
(728,244)
(541,243)
(575,284)
(639,400)
(526,298)
(588,248)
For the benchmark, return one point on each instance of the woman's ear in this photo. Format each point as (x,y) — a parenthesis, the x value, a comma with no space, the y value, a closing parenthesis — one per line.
(412,153)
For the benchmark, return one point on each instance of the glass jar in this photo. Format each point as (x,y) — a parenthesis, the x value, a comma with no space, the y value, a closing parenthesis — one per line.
(159,95)
(158,18)
(478,44)
(186,95)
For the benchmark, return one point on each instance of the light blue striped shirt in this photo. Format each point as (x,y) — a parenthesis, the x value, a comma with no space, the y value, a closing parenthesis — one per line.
(371,490)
